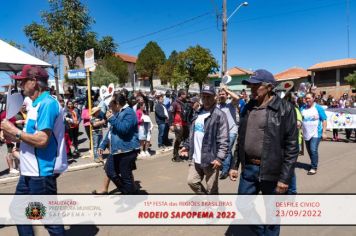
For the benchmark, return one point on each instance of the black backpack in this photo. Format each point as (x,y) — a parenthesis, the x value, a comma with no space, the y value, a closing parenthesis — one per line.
(187,112)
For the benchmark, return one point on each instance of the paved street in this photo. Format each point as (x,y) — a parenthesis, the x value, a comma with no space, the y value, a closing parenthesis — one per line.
(83,148)
(336,174)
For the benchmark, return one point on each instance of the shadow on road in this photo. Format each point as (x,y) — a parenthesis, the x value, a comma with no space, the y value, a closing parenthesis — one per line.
(301,165)
(87,230)
(83,150)
(80,141)
(4,172)
(239,230)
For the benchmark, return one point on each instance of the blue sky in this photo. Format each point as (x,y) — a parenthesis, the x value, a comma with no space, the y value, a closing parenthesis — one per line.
(273,34)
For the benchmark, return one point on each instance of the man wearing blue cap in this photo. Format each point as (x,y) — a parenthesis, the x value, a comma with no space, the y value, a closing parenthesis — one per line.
(267,143)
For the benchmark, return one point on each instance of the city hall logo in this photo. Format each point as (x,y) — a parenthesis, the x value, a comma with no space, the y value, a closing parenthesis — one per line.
(35,211)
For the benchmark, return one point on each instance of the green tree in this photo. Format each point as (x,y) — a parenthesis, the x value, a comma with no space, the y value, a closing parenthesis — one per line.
(14,44)
(167,69)
(149,61)
(102,76)
(351,79)
(116,66)
(65,30)
(195,64)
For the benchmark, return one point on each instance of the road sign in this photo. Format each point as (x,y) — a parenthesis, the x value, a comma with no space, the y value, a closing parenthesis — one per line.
(89,59)
(76,74)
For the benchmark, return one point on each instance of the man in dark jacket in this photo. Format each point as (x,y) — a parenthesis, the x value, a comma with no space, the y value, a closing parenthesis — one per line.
(207,145)
(267,143)
(162,122)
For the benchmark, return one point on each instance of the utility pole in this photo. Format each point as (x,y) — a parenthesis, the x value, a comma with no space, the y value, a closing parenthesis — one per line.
(225,20)
(348,27)
(224,39)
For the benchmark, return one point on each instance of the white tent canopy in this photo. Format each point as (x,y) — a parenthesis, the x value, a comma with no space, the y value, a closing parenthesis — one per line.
(13,59)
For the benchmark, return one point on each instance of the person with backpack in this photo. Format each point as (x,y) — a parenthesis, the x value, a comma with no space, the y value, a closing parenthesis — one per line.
(179,122)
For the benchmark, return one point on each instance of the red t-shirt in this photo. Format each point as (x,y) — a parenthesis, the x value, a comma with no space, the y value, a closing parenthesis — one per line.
(177,111)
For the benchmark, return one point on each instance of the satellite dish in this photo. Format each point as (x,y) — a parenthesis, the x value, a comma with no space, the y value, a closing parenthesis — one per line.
(226,79)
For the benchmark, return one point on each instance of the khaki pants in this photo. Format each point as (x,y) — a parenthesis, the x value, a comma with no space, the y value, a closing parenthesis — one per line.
(196,175)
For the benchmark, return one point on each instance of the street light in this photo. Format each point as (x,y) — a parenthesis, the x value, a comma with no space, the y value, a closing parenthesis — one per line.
(224,31)
(244,4)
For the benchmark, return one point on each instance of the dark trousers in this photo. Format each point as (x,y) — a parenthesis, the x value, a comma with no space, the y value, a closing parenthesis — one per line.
(250,184)
(123,176)
(32,185)
(163,130)
(73,134)
(87,131)
(349,132)
(165,136)
(335,133)
(181,133)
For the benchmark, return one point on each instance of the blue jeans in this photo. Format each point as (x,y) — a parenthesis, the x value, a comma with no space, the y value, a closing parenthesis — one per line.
(250,184)
(227,162)
(97,138)
(32,185)
(292,188)
(161,130)
(312,148)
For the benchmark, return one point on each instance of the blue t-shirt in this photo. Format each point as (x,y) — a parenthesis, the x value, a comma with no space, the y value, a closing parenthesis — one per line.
(44,114)
(242,104)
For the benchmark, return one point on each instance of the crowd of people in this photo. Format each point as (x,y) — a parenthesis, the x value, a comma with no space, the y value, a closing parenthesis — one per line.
(268,130)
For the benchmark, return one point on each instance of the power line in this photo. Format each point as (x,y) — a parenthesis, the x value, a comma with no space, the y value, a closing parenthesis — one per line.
(217,12)
(173,37)
(216,8)
(245,20)
(165,29)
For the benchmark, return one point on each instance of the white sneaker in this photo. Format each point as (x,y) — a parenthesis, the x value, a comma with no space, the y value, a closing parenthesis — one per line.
(14,171)
(142,154)
(147,154)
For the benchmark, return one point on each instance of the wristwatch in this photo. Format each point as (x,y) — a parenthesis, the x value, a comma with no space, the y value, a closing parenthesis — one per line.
(18,135)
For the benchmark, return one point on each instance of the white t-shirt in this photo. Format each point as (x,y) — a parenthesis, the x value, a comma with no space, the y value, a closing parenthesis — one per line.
(311,123)
(199,135)
(28,103)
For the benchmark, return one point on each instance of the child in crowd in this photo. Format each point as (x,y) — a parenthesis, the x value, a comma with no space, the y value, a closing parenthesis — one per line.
(148,125)
(335,104)
(97,122)
(142,130)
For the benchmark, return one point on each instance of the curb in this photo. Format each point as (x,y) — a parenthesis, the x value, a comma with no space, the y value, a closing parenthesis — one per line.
(12,179)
